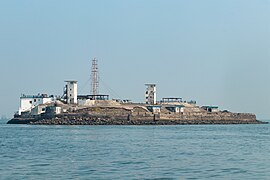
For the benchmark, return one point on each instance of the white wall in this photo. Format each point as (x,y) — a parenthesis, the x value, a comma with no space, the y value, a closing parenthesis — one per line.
(81,102)
(72,92)
(156,109)
(215,110)
(38,110)
(27,103)
(150,94)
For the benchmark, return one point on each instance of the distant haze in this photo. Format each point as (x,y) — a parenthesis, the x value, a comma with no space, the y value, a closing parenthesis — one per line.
(214,52)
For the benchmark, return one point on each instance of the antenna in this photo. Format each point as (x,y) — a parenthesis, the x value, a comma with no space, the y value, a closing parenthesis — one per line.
(94,77)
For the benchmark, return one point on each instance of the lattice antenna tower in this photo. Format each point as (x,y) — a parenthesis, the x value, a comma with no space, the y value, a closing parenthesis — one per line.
(94,77)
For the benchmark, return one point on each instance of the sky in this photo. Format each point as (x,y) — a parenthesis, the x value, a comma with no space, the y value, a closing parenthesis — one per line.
(214,52)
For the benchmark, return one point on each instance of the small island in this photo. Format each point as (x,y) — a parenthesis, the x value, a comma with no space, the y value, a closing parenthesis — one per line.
(98,109)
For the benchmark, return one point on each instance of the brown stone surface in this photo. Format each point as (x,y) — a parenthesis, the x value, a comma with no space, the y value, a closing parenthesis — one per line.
(136,115)
(87,119)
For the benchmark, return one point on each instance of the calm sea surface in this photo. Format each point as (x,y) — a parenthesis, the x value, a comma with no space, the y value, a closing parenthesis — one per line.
(135,152)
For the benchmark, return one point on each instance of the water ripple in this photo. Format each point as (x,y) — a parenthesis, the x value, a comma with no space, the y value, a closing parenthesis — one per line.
(135,152)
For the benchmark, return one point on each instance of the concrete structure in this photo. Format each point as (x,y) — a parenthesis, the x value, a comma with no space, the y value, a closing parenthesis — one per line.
(43,108)
(95,78)
(150,94)
(86,100)
(38,110)
(53,110)
(154,109)
(122,100)
(175,108)
(94,97)
(171,100)
(192,102)
(28,102)
(210,108)
(71,92)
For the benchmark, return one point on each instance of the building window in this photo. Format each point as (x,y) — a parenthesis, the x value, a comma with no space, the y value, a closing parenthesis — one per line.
(35,100)
(30,102)
(70,95)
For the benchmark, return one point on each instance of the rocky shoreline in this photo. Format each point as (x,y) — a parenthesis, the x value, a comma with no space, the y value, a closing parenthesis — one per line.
(107,120)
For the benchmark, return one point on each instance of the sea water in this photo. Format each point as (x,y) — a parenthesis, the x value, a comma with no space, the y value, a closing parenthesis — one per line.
(135,152)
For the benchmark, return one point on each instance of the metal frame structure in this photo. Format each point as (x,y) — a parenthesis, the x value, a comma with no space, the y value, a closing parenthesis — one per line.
(94,78)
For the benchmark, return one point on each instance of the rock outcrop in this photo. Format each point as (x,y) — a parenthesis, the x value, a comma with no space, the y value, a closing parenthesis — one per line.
(135,114)
(87,119)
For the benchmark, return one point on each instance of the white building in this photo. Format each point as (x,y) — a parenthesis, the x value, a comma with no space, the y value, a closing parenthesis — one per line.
(154,109)
(28,102)
(176,108)
(211,108)
(150,94)
(39,109)
(72,92)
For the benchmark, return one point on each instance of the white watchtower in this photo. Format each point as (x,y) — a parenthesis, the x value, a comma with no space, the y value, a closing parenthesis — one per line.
(150,94)
(72,92)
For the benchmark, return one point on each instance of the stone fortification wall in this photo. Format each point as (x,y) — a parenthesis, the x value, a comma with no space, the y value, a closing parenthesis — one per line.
(90,103)
(140,112)
(87,119)
(210,116)
(138,115)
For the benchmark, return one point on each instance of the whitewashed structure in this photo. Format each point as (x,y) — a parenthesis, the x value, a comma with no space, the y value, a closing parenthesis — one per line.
(211,108)
(176,108)
(150,94)
(154,109)
(72,92)
(39,109)
(28,102)
(53,109)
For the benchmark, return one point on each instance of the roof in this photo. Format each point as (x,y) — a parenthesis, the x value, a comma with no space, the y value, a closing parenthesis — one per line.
(158,106)
(87,96)
(35,96)
(212,107)
(149,84)
(179,106)
(94,97)
(71,81)
(172,98)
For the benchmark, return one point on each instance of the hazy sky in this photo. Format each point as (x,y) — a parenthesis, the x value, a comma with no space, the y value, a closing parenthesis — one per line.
(215,52)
